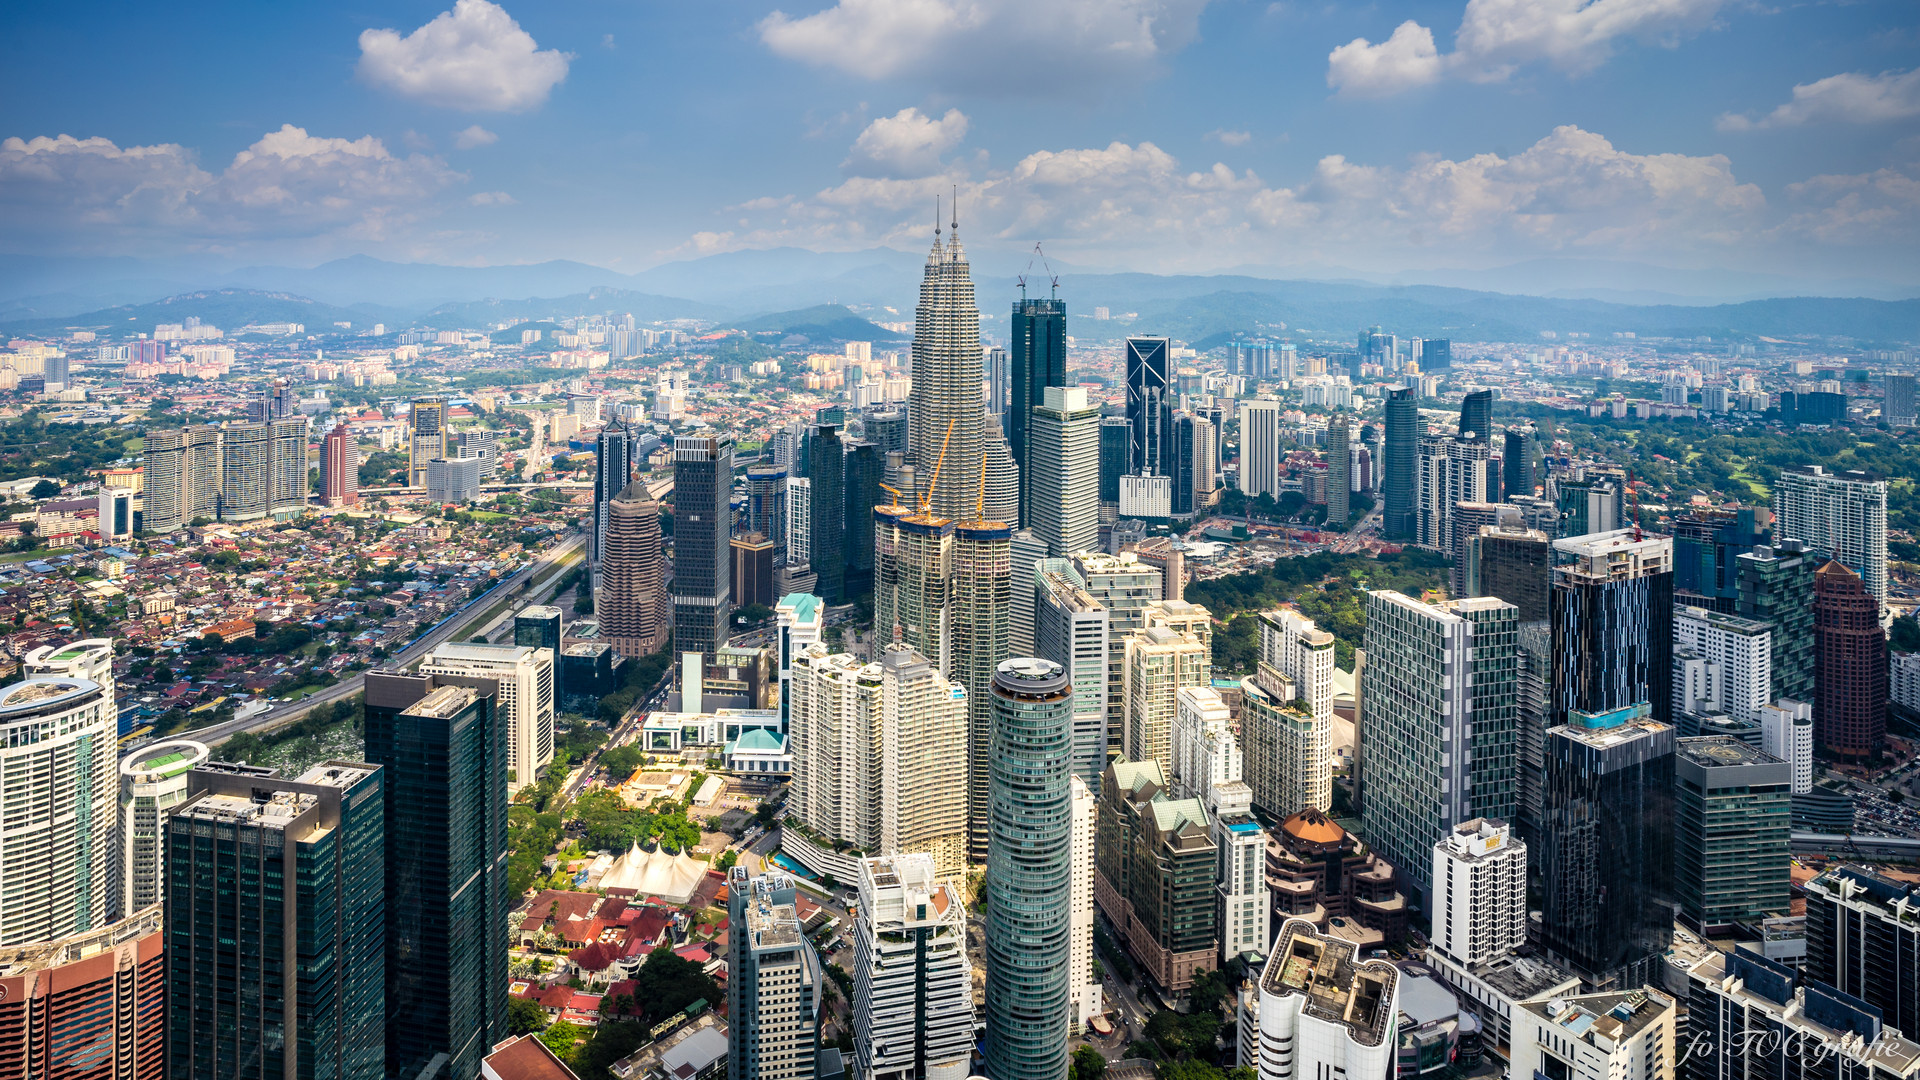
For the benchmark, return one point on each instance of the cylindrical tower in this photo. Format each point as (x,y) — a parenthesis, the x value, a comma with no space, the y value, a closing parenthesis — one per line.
(58,855)
(153,781)
(1029,872)
(979,611)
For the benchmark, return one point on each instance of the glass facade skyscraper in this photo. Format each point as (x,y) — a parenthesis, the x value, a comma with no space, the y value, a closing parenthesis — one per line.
(864,467)
(1037,359)
(1150,399)
(1114,456)
(702,537)
(1611,608)
(1029,871)
(275,924)
(826,517)
(1397,470)
(442,745)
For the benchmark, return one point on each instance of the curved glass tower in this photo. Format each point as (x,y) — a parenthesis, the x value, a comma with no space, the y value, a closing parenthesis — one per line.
(1029,871)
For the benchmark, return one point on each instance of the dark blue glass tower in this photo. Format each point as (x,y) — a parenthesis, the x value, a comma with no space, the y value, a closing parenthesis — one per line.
(1397,469)
(1037,359)
(865,465)
(1149,406)
(827,512)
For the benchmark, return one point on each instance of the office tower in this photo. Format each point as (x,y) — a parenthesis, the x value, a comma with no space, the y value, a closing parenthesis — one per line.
(944,411)
(1863,938)
(863,467)
(702,482)
(912,982)
(1451,472)
(767,504)
(1707,545)
(525,677)
(1897,409)
(116,513)
(340,468)
(1029,873)
(1124,586)
(1114,436)
(1159,661)
(1606,844)
(1084,991)
(1260,447)
(426,438)
(1628,1035)
(1157,874)
(1479,892)
(997,382)
(1037,360)
(1070,629)
(1476,417)
(1026,550)
(480,443)
(1842,516)
(632,603)
(800,621)
(1468,519)
(1520,451)
(1732,811)
(61,807)
(1850,681)
(923,775)
(774,981)
(1150,401)
(1612,614)
(1786,732)
(1062,471)
(1193,464)
(1324,1011)
(92,1004)
(1776,587)
(886,429)
(1743,1006)
(753,581)
(1339,465)
(1722,664)
(827,513)
(913,582)
(439,740)
(1399,465)
(1286,716)
(277,922)
(1438,722)
(1512,563)
(979,617)
(153,780)
(453,480)
(1534,655)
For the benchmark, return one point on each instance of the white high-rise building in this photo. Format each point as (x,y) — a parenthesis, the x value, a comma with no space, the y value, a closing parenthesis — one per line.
(1286,722)
(1207,766)
(1083,989)
(1159,661)
(153,780)
(1903,680)
(60,796)
(923,761)
(1786,732)
(799,521)
(1621,1036)
(912,982)
(1325,1012)
(1260,447)
(1025,551)
(526,678)
(1063,447)
(774,980)
(1479,892)
(802,620)
(1205,754)
(1300,650)
(1722,663)
(1070,629)
(1451,471)
(1842,515)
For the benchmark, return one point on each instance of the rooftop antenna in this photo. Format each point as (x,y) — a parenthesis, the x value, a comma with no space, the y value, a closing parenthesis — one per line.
(956,209)
(1053,279)
(936,217)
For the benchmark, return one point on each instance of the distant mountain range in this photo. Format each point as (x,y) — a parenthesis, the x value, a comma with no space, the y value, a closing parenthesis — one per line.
(828,296)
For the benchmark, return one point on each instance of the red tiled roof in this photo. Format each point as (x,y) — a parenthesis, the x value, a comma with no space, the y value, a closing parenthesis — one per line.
(594,957)
(526,1058)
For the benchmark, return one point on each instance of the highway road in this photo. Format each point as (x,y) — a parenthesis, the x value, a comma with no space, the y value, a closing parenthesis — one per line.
(1369,523)
(459,621)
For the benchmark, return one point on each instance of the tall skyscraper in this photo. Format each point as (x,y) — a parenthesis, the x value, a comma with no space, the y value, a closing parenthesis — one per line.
(1001,499)
(1150,401)
(92,1004)
(1325,1011)
(997,382)
(1114,435)
(276,924)
(1062,471)
(864,468)
(340,468)
(1038,360)
(1722,664)
(912,984)
(1207,766)
(232,472)
(1452,471)
(1850,674)
(774,981)
(1193,464)
(1520,450)
(1707,545)
(1897,408)
(632,604)
(1029,873)
(980,616)
(702,570)
(886,429)
(61,809)
(800,621)
(1476,417)
(440,743)
(1438,723)
(1157,874)
(1083,990)
(426,437)
(1159,661)
(1070,629)
(525,677)
(1260,447)
(1842,516)
(613,454)
(1612,613)
(913,582)
(1124,586)
(153,780)
(1776,587)
(1479,892)
(1286,716)
(945,411)
(538,626)
(1732,813)
(245,481)
(827,507)
(1606,844)
(1339,465)
(1511,562)
(1399,465)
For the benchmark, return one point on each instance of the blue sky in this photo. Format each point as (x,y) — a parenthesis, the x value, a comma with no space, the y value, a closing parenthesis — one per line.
(1153,135)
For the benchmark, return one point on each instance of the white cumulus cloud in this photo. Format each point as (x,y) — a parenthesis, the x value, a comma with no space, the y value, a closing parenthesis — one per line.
(1230,138)
(474,137)
(1497,37)
(908,143)
(989,46)
(474,57)
(1847,98)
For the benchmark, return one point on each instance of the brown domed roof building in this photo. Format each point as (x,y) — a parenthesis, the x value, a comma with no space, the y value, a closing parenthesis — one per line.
(1318,871)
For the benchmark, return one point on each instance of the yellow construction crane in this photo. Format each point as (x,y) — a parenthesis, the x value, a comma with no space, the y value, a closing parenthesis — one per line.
(896,493)
(926,505)
(980,499)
